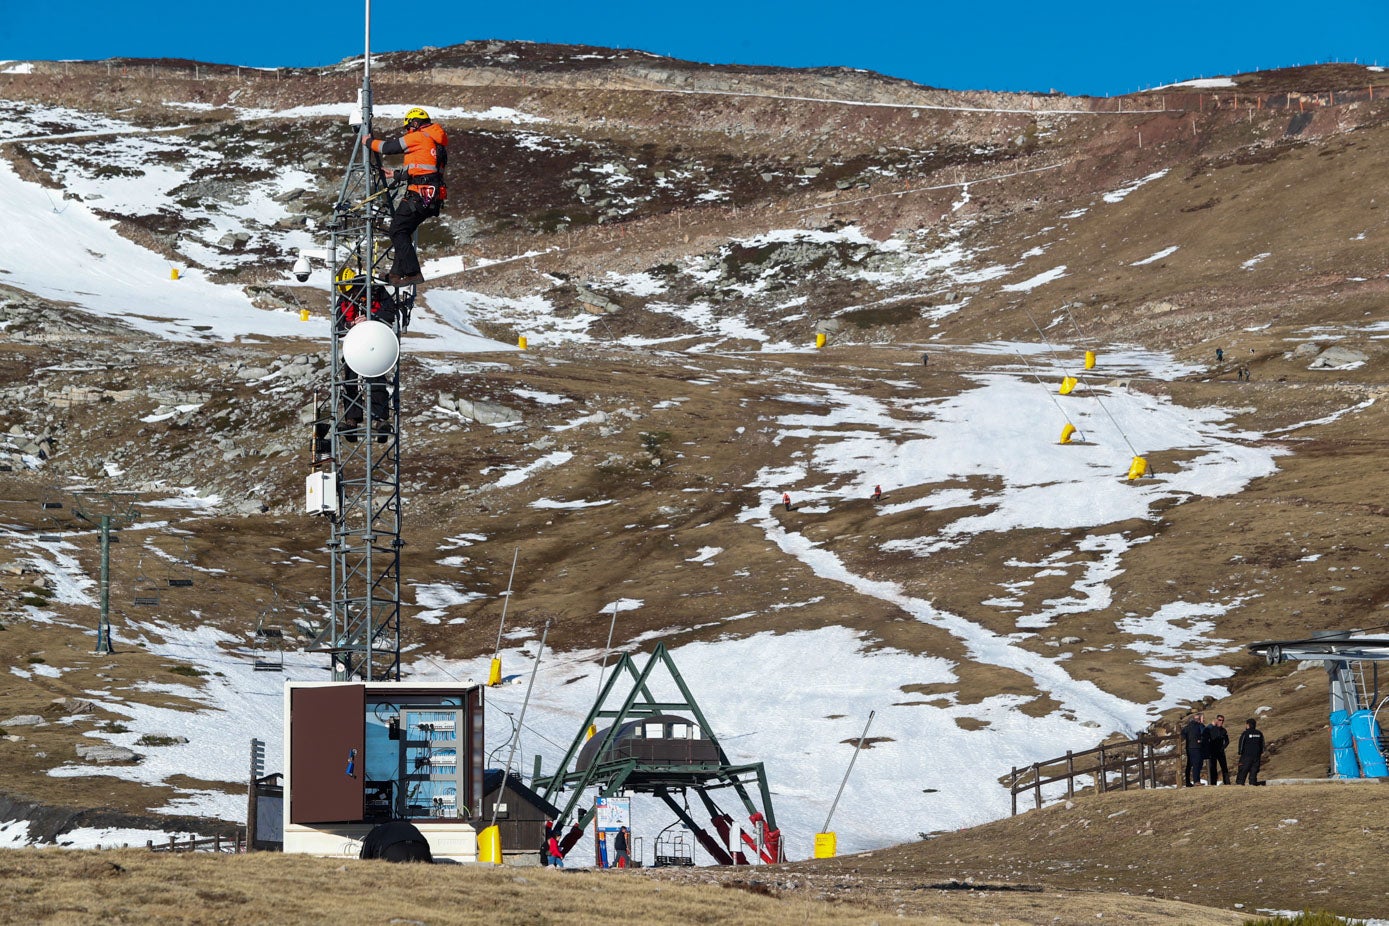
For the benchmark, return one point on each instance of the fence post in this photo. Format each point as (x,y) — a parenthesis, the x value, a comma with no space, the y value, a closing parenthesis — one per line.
(1013,790)
(1070,775)
(1037,784)
(149,844)
(173,843)
(217,843)
(1103,782)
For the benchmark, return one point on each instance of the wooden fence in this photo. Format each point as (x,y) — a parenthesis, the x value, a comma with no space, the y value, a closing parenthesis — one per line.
(1145,762)
(231,844)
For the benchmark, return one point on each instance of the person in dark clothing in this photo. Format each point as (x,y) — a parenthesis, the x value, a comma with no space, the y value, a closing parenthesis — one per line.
(396,841)
(620,847)
(1194,736)
(1251,753)
(351,310)
(425,146)
(1217,741)
(545,843)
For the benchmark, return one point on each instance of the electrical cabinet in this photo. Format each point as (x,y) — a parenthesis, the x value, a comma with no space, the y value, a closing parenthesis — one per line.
(321,493)
(431,774)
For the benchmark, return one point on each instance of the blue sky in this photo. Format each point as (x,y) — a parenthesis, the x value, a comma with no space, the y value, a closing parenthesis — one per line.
(1076,47)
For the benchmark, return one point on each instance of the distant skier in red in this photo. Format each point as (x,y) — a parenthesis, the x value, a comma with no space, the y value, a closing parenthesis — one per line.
(786,500)
(877,493)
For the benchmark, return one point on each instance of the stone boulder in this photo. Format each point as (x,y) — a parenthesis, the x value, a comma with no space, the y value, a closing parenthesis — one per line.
(1337,358)
(487,412)
(24,720)
(105,752)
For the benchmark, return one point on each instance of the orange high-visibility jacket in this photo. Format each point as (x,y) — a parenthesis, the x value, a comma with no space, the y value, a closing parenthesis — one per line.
(425,151)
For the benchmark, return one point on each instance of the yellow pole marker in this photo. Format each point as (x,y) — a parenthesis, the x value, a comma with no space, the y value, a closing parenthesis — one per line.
(521,342)
(1137,468)
(1066,433)
(173,273)
(489,845)
(1068,384)
(1089,360)
(494,674)
(825,845)
(820,338)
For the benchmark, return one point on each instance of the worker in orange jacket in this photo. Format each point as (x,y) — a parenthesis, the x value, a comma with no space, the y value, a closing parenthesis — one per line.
(425,146)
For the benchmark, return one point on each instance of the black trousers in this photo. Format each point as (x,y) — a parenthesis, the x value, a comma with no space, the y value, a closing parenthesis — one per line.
(1249,768)
(1194,761)
(409,215)
(1219,757)
(379,390)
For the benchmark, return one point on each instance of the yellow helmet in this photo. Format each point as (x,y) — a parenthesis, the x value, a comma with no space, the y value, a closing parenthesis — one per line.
(416,115)
(345,277)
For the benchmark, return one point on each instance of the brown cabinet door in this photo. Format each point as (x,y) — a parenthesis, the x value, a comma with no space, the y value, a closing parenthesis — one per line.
(325,726)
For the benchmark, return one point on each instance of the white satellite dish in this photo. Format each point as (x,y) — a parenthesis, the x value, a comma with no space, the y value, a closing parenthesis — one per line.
(370,348)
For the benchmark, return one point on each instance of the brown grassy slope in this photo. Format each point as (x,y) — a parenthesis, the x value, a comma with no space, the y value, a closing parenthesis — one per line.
(1237,188)
(132,886)
(1287,847)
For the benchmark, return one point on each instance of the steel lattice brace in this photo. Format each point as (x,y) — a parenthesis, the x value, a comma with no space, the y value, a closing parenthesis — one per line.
(363,632)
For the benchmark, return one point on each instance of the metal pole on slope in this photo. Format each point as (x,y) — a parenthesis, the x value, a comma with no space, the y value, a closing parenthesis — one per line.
(847,772)
(520,720)
(603,668)
(494,672)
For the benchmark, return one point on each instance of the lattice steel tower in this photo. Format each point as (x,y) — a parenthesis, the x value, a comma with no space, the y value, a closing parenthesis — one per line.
(362,431)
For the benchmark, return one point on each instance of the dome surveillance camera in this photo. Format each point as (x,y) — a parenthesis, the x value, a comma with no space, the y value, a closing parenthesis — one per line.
(302,269)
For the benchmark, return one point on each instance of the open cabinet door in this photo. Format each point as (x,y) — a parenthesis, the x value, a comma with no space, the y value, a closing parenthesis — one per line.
(328,757)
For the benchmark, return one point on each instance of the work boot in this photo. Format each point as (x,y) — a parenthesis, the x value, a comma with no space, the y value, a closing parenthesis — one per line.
(406,279)
(382,428)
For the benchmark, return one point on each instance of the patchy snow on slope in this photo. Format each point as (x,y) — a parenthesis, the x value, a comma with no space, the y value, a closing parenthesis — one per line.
(1202,83)
(550,503)
(519,475)
(1118,196)
(434,599)
(1055,273)
(1165,252)
(236,703)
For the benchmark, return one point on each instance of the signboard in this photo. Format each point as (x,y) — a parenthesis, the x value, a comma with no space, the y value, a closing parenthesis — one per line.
(613,813)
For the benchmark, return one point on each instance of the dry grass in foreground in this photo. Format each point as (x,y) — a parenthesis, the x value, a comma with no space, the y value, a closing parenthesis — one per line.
(133,886)
(1313,846)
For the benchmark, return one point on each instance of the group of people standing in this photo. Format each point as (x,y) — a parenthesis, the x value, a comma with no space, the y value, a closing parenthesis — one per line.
(552,854)
(1206,745)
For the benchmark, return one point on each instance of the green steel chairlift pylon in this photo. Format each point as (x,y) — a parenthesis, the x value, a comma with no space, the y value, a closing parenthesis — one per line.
(662,748)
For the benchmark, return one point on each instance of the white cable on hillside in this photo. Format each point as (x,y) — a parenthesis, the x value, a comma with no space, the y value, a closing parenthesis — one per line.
(925,189)
(926,106)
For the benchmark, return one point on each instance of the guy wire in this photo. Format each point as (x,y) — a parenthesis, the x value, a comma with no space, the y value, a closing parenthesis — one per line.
(1065,417)
(1081,378)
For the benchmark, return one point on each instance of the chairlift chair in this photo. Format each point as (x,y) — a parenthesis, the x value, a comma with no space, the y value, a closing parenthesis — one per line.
(674,849)
(183,581)
(144,583)
(270,646)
